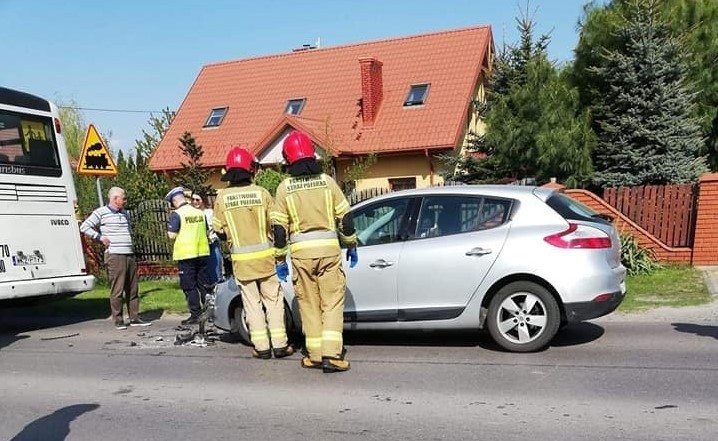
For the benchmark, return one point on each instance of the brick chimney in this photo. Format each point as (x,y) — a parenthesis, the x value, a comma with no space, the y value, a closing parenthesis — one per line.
(371,89)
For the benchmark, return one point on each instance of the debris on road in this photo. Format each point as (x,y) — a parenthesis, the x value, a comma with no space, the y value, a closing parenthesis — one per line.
(60,336)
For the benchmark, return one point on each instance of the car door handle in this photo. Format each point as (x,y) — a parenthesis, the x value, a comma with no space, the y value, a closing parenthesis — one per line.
(381,263)
(478,251)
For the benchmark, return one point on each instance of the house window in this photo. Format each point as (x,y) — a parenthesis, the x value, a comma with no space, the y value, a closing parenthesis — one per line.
(295,106)
(397,184)
(215,117)
(417,94)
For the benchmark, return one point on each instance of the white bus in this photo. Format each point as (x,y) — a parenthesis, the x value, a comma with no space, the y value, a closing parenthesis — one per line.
(40,247)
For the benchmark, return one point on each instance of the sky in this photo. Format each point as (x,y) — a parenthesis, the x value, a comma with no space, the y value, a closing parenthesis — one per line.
(134,57)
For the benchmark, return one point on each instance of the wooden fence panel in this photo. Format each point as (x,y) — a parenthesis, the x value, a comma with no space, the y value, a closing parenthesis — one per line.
(668,212)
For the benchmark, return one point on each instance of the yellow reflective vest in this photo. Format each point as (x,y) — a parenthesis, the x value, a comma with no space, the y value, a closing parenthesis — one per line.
(191,240)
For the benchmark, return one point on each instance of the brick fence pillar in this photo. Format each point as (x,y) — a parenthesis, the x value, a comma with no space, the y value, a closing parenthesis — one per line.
(705,239)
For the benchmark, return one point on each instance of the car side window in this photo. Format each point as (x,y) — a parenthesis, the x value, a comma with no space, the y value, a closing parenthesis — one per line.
(493,212)
(445,215)
(380,222)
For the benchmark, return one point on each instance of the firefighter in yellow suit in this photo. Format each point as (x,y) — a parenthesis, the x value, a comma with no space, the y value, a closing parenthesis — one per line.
(310,216)
(241,213)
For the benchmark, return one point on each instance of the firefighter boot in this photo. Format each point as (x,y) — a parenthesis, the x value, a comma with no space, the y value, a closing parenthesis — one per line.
(264,355)
(285,351)
(330,365)
(309,364)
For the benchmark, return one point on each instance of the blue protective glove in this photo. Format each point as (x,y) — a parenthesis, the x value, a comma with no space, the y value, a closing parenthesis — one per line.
(282,271)
(352,257)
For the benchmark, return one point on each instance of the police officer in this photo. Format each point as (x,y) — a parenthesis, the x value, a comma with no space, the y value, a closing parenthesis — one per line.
(188,229)
(241,213)
(310,215)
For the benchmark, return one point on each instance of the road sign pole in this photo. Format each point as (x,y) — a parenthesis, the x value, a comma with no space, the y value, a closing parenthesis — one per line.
(99,191)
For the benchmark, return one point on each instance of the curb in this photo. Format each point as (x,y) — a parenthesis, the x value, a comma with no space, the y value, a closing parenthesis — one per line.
(710,275)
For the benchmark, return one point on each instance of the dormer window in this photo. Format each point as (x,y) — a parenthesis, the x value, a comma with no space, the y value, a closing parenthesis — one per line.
(417,94)
(295,106)
(216,116)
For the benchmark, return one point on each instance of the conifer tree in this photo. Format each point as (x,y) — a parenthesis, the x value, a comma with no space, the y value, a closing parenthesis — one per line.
(643,119)
(192,176)
(533,127)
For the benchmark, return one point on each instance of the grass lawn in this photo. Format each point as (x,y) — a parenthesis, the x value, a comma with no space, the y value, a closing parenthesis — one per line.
(676,285)
(669,286)
(157,297)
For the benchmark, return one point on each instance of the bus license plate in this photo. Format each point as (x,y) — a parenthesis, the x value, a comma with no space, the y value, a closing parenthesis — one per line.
(28,259)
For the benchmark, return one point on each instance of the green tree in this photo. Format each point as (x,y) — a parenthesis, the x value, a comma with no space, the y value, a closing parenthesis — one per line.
(74,128)
(192,176)
(357,170)
(134,175)
(269,178)
(693,22)
(533,125)
(643,119)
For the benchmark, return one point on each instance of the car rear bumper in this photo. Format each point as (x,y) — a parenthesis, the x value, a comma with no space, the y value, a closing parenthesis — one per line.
(579,311)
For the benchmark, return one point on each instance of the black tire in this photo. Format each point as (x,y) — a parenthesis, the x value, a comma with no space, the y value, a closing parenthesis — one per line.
(238,325)
(511,328)
(240,329)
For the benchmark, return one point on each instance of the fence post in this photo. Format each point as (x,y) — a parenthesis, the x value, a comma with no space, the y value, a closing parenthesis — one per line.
(705,242)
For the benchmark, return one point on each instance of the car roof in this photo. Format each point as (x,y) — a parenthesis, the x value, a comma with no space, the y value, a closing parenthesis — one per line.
(503,191)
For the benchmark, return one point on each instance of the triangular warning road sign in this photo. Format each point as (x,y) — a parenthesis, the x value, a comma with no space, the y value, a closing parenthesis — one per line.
(95,159)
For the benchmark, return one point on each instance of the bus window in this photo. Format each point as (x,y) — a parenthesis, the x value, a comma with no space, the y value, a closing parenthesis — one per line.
(29,141)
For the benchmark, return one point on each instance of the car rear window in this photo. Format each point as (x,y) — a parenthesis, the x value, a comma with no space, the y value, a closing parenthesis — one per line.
(571,209)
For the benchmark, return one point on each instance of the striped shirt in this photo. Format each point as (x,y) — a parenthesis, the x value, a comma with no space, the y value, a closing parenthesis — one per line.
(112,224)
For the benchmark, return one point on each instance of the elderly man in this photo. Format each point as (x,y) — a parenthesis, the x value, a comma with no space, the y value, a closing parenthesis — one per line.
(188,229)
(110,226)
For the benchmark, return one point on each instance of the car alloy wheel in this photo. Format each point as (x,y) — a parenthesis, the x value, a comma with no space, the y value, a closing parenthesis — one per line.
(523,317)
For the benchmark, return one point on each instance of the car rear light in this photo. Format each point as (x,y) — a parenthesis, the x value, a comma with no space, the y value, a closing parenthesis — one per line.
(580,236)
(603,297)
(58,126)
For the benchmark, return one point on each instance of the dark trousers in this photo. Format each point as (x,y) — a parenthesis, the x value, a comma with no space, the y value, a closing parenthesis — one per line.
(122,272)
(194,281)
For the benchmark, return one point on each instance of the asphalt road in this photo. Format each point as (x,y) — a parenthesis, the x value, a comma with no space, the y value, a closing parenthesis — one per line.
(646,377)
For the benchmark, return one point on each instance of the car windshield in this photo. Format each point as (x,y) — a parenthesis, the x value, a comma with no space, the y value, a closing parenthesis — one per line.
(572,209)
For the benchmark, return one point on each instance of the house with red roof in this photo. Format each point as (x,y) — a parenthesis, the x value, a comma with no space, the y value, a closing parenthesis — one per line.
(405,101)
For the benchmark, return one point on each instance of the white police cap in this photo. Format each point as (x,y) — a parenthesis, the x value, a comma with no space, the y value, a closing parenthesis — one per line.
(174,192)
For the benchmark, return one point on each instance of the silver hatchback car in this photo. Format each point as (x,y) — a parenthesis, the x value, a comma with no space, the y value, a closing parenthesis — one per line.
(518,261)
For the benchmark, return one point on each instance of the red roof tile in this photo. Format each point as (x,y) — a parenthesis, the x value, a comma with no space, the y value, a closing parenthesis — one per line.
(256,90)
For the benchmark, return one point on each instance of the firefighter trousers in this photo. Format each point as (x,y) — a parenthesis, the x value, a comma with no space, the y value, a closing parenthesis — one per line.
(262,295)
(319,285)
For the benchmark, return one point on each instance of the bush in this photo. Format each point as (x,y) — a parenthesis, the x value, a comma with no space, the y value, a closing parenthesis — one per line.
(635,258)
(270,179)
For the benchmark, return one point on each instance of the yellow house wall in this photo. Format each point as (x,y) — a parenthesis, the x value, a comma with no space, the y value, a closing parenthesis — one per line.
(396,166)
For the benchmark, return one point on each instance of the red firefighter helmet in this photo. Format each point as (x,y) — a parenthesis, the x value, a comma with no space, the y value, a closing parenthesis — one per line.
(297,146)
(239,157)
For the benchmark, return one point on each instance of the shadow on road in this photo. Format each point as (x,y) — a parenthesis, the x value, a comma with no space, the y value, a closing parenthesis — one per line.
(577,334)
(700,330)
(572,335)
(415,338)
(54,427)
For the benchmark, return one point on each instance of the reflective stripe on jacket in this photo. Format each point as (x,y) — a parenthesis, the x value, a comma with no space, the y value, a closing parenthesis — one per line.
(242,213)
(306,206)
